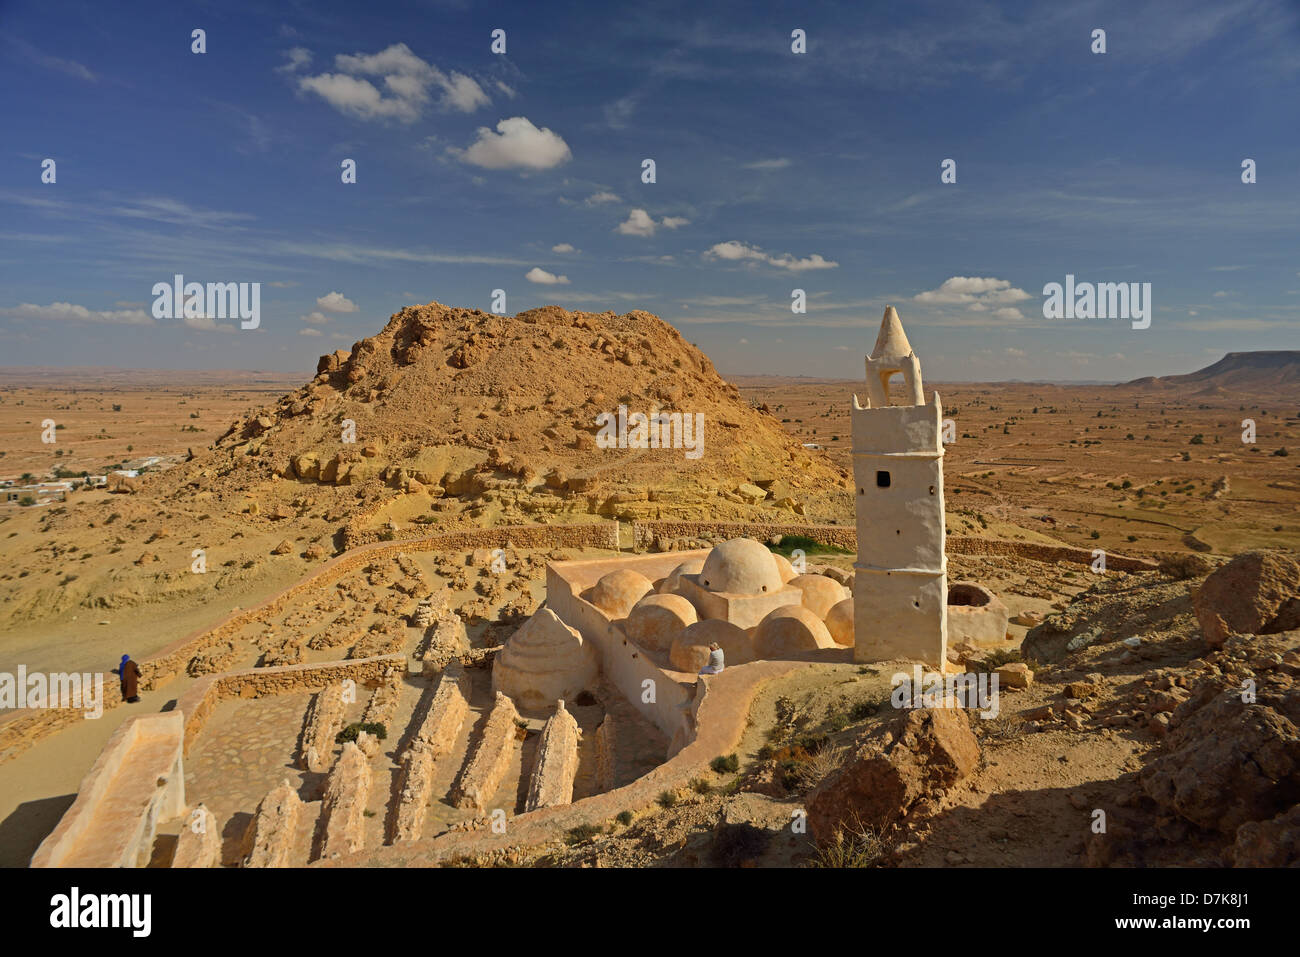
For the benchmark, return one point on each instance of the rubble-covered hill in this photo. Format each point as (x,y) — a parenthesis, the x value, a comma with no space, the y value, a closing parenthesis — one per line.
(454,402)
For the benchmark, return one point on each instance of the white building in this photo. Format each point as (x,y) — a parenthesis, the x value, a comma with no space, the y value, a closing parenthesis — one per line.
(901,587)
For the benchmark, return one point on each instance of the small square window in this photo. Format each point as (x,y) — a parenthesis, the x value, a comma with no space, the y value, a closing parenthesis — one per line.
(882,480)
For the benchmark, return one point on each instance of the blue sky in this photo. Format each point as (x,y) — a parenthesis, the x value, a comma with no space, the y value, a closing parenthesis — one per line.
(775,171)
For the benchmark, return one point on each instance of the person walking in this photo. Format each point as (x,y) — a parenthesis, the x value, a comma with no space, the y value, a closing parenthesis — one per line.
(129,674)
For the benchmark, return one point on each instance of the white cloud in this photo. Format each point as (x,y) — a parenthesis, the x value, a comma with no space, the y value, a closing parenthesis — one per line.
(315,318)
(309,331)
(604,196)
(406,84)
(734,251)
(672,222)
(297,57)
(563,248)
(507,90)
(336,302)
(1220,294)
(70,311)
(779,163)
(544,278)
(976,293)
(1008,312)
(516,144)
(638,223)
(1015,353)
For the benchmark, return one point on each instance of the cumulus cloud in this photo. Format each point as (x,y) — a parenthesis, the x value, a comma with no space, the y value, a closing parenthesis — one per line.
(978,294)
(733,251)
(70,311)
(309,331)
(316,318)
(544,278)
(641,223)
(404,89)
(563,248)
(517,144)
(336,302)
(638,223)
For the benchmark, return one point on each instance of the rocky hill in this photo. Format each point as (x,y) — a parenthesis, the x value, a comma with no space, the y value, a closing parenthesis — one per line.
(493,418)
(1238,371)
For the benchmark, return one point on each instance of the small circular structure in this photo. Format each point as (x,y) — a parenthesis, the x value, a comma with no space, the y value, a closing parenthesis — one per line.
(820,594)
(969,595)
(790,629)
(657,620)
(690,650)
(618,592)
(839,622)
(740,567)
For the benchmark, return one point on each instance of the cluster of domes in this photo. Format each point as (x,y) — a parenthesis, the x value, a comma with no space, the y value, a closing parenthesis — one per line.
(742,596)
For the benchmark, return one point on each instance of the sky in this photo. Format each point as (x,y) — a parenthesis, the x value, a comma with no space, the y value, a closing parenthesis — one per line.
(775,171)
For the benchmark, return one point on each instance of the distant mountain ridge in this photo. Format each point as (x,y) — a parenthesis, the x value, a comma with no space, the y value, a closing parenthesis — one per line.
(1237,370)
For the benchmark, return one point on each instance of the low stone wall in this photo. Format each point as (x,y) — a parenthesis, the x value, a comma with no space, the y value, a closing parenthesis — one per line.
(205,694)
(323,722)
(199,843)
(601,534)
(491,758)
(136,782)
(382,705)
(343,812)
(556,764)
(644,534)
(1035,551)
(435,738)
(271,834)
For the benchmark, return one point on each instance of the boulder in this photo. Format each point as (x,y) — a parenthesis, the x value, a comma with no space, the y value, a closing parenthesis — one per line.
(897,765)
(1255,593)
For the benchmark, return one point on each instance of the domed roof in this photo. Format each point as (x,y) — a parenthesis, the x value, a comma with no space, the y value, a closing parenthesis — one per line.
(740,567)
(690,649)
(617,592)
(543,661)
(658,619)
(790,629)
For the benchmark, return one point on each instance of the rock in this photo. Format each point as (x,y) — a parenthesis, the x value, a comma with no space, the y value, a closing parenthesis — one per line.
(1028,618)
(751,494)
(314,552)
(284,548)
(1015,674)
(1256,593)
(897,765)
(1273,843)
(1080,689)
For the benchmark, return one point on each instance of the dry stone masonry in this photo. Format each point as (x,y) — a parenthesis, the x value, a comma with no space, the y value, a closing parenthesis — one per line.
(556,764)
(343,812)
(491,758)
(270,837)
(324,721)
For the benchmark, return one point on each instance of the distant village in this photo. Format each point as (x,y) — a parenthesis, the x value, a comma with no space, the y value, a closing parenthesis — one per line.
(27,491)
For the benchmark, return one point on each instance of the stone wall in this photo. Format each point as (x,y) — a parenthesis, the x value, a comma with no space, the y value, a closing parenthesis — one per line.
(199,843)
(323,723)
(490,759)
(205,694)
(556,764)
(137,782)
(343,812)
(444,717)
(273,829)
(645,534)
(606,750)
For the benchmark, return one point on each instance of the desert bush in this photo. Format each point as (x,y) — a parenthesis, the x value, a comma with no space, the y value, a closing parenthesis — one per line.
(667,799)
(855,846)
(353,731)
(624,818)
(728,764)
(735,844)
(583,832)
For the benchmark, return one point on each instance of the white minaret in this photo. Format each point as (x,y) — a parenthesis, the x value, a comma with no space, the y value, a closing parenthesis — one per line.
(900,593)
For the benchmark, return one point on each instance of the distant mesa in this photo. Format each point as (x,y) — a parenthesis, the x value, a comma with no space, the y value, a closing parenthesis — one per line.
(1236,371)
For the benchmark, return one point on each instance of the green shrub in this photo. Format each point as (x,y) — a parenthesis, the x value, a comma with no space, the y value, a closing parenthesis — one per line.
(729,764)
(583,832)
(667,799)
(624,818)
(352,731)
